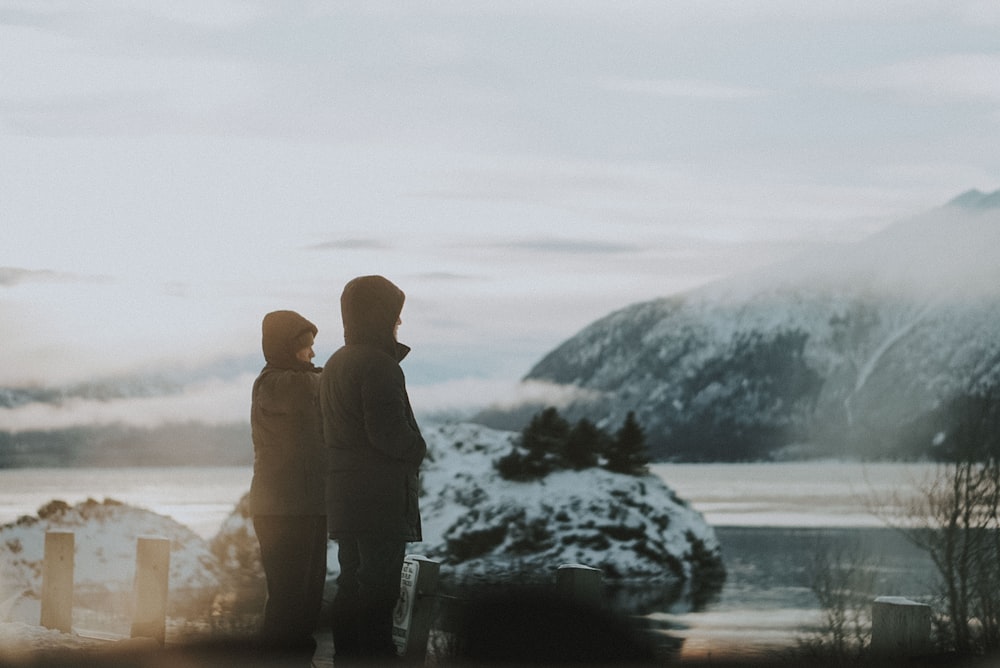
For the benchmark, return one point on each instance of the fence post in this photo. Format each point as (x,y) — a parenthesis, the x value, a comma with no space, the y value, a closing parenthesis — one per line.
(579,583)
(152,575)
(411,623)
(57,581)
(900,627)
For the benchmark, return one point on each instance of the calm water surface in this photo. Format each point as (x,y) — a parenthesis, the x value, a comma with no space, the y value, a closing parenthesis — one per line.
(772,521)
(198,497)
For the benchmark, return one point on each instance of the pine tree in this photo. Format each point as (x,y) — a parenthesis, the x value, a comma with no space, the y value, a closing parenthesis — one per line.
(583,444)
(545,436)
(541,450)
(628,452)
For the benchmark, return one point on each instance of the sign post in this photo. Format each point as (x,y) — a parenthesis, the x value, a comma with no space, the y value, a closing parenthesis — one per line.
(411,624)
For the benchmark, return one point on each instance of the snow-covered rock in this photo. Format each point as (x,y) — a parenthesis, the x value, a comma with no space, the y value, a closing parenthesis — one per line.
(487,530)
(482,527)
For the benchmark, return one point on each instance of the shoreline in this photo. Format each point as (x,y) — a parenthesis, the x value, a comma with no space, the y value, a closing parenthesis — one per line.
(739,501)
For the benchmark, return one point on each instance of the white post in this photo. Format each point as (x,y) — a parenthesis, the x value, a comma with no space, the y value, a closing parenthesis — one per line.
(900,627)
(411,624)
(152,575)
(579,583)
(57,581)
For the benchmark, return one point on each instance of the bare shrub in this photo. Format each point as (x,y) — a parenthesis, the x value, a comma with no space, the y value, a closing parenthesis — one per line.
(954,518)
(842,577)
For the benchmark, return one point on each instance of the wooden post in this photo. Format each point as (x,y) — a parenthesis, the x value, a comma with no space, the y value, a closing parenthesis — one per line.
(579,583)
(152,576)
(900,627)
(411,624)
(57,581)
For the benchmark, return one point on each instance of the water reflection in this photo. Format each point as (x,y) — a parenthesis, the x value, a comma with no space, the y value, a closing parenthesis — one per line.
(766,603)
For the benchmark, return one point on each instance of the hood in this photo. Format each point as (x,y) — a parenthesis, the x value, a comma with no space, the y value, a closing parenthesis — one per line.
(370,307)
(284,333)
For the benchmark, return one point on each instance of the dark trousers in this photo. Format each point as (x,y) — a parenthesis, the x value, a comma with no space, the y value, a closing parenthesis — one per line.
(293,553)
(367,591)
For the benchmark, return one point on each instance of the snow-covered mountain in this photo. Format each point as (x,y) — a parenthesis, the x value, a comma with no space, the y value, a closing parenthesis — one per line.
(849,350)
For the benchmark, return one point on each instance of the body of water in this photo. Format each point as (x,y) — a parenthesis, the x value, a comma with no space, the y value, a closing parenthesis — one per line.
(198,497)
(771,519)
(773,522)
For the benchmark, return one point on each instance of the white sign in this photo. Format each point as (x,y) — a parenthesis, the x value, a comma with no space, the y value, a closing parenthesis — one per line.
(403,613)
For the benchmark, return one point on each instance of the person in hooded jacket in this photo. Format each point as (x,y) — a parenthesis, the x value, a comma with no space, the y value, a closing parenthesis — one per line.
(287,493)
(374,450)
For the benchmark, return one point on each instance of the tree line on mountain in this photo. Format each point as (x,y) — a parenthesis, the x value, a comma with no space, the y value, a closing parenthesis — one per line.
(550,443)
(742,404)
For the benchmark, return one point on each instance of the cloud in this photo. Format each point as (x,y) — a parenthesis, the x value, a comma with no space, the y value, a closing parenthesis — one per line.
(942,78)
(572,246)
(350,244)
(652,14)
(446,276)
(545,181)
(10,276)
(223,402)
(469,395)
(681,88)
(217,144)
(218,13)
(541,392)
(213,402)
(119,72)
(76,331)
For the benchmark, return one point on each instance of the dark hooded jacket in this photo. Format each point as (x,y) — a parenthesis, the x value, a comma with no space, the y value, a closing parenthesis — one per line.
(374,446)
(289,454)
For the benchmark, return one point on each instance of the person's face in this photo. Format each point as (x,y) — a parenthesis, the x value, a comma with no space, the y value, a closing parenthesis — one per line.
(305,355)
(395,330)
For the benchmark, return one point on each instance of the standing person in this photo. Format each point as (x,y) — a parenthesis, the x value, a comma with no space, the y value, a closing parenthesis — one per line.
(374,448)
(287,494)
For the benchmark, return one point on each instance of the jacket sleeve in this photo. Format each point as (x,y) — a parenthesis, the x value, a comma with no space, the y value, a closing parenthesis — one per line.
(389,420)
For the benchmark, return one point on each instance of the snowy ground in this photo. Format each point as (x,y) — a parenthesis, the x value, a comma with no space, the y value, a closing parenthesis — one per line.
(105,539)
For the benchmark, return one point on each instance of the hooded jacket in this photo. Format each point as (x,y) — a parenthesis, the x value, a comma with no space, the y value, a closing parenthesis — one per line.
(374,446)
(285,421)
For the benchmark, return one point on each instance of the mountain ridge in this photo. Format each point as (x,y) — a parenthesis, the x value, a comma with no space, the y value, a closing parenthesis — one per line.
(977,199)
(851,352)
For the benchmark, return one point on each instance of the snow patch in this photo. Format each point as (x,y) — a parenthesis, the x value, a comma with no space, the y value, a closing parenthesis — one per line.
(105,539)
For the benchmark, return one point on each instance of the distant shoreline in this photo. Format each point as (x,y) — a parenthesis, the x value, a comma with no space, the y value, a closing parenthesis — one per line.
(779,495)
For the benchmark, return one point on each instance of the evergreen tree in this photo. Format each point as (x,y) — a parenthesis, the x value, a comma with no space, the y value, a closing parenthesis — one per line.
(548,443)
(546,435)
(628,452)
(583,443)
(514,466)
(541,450)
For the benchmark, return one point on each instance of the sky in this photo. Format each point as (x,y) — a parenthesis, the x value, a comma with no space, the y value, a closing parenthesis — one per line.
(170,171)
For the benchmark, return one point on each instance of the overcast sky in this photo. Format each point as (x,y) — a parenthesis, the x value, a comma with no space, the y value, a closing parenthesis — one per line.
(172,170)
